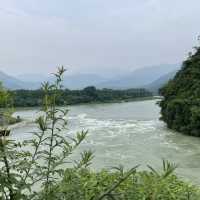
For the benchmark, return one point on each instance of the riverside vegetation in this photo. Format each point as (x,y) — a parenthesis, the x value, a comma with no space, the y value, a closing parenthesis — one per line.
(180,107)
(31,98)
(34,169)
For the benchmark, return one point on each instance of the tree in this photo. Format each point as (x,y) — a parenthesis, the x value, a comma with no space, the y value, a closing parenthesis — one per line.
(91,91)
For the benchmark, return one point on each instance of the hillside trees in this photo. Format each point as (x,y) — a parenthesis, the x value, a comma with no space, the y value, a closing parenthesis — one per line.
(180,107)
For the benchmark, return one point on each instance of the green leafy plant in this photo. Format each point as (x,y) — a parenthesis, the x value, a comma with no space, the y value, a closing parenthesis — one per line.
(38,163)
(126,185)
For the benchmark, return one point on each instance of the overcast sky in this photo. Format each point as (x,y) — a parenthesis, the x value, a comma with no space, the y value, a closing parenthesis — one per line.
(102,36)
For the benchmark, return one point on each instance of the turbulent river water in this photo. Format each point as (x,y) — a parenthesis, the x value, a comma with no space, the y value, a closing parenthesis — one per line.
(128,134)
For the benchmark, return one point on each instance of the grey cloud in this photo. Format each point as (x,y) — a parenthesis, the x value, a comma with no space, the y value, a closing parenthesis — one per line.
(95,35)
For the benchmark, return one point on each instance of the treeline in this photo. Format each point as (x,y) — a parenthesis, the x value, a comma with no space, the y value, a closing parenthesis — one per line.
(28,98)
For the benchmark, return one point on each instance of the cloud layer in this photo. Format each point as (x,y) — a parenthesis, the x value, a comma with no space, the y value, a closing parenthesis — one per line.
(95,35)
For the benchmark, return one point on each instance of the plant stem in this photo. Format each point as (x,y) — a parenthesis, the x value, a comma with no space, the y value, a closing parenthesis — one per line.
(33,157)
(50,146)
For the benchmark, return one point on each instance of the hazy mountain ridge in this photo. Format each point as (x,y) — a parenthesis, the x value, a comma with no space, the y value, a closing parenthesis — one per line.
(33,81)
(34,78)
(72,81)
(140,77)
(80,81)
(148,77)
(13,83)
(160,82)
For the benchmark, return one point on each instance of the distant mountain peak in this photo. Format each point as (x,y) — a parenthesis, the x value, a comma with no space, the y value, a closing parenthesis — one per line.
(140,77)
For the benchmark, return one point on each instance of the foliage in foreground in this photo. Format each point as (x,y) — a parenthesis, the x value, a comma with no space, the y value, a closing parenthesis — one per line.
(33,169)
(180,107)
(37,164)
(146,185)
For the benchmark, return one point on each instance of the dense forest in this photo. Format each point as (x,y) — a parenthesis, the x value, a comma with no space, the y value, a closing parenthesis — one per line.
(26,98)
(180,107)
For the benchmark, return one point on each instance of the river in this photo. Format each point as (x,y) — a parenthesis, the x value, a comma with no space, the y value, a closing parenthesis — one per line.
(127,133)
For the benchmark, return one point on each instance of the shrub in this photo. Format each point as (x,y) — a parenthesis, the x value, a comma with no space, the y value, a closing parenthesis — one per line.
(148,185)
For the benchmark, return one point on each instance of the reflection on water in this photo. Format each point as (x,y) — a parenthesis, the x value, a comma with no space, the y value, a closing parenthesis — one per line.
(126,133)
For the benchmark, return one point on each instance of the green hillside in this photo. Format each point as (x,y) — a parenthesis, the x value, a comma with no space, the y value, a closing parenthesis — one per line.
(180,107)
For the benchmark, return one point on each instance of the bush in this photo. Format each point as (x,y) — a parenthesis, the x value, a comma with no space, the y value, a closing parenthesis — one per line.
(148,185)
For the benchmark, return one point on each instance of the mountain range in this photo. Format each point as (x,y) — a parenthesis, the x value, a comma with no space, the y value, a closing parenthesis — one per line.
(151,78)
(140,77)
(13,83)
(72,81)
